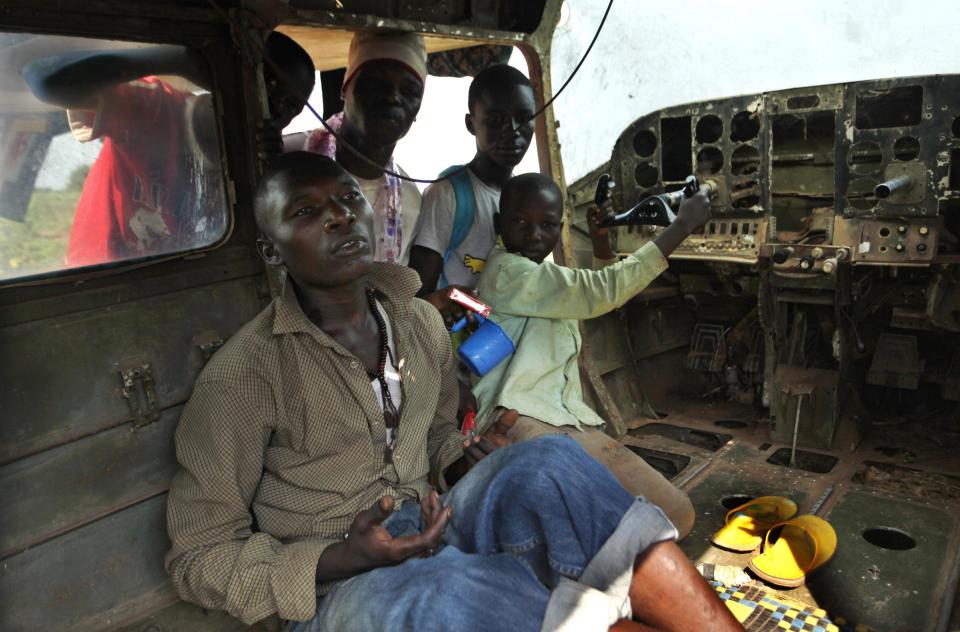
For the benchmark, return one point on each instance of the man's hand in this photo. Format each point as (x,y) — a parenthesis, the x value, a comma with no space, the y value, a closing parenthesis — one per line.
(494,438)
(372,546)
(432,513)
(369,545)
(475,449)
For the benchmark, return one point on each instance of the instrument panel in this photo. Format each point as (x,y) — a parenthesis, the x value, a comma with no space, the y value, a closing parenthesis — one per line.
(871,168)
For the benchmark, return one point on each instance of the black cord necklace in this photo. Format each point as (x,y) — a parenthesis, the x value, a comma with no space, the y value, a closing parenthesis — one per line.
(391,418)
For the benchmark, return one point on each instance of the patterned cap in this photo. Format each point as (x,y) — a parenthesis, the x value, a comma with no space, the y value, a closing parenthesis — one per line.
(405,48)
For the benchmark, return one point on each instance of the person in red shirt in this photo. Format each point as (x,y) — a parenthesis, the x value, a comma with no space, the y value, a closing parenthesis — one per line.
(153,189)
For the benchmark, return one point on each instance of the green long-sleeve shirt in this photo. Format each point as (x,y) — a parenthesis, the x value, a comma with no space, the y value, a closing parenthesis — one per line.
(539,306)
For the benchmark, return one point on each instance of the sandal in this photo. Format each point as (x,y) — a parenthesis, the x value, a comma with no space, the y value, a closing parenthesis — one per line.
(793,549)
(746,524)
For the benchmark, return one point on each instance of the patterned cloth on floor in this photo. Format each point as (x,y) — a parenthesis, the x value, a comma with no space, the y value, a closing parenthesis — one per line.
(760,610)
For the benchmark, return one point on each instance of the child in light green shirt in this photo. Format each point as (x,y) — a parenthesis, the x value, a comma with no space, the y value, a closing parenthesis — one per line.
(539,305)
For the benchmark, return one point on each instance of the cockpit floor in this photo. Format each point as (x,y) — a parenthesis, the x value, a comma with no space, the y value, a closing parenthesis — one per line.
(893,499)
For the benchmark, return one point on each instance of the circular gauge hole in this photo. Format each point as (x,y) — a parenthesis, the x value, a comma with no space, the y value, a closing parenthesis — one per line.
(709,129)
(884,232)
(865,157)
(733,424)
(744,126)
(709,160)
(735,500)
(745,161)
(956,127)
(737,289)
(644,143)
(883,248)
(646,174)
(906,148)
(889,538)
(860,194)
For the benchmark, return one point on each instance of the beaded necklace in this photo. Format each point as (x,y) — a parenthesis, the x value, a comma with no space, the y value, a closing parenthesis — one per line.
(391,418)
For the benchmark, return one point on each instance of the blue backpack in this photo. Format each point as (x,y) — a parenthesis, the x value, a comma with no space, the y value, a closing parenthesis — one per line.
(463,217)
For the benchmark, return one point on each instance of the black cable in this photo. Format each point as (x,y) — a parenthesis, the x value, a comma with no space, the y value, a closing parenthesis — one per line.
(596,35)
(282,76)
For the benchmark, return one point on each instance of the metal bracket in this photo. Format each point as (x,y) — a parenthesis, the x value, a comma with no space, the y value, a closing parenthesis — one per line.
(142,401)
(207,349)
(207,342)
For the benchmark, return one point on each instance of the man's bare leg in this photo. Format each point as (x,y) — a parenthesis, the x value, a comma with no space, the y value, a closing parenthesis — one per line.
(624,625)
(669,594)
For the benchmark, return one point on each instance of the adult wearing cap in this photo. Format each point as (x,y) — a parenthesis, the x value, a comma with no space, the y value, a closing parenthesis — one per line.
(382,91)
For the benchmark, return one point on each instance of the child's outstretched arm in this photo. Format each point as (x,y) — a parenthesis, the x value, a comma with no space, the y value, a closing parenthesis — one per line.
(521,287)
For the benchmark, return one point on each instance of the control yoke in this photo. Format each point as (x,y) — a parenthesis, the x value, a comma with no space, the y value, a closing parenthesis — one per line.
(656,210)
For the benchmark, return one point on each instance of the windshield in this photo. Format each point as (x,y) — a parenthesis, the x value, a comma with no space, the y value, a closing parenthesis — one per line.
(690,50)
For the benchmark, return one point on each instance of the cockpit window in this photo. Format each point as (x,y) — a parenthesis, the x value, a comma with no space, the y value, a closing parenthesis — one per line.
(110,153)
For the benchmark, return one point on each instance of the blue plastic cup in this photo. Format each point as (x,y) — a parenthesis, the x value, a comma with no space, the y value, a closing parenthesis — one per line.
(487,347)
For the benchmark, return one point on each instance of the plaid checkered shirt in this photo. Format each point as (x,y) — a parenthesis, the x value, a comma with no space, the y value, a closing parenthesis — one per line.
(283,442)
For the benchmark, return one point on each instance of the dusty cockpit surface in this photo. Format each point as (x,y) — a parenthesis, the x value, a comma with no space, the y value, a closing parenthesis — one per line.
(804,344)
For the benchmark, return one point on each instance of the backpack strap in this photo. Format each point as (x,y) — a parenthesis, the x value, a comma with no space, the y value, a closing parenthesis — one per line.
(463,216)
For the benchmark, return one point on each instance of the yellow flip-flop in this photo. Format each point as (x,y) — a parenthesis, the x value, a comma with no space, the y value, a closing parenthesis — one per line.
(793,549)
(746,524)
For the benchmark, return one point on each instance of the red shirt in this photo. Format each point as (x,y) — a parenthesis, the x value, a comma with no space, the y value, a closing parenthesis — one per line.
(134,196)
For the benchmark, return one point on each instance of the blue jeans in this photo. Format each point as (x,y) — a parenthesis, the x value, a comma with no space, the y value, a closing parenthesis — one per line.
(529,522)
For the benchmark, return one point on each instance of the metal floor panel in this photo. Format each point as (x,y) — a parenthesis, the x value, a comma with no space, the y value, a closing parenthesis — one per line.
(865,583)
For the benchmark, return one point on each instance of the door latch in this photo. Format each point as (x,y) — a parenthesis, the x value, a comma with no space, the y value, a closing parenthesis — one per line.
(141,396)
(207,349)
(207,342)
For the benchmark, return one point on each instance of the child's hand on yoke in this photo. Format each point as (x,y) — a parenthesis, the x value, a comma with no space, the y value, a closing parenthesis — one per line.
(693,213)
(600,234)
(596,216)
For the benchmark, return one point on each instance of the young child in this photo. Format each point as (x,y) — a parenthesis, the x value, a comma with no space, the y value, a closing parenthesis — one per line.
(456,230)
(538,305)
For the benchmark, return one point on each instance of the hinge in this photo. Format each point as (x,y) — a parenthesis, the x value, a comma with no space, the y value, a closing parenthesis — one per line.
(207,342)
(208,348)
(143,399)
